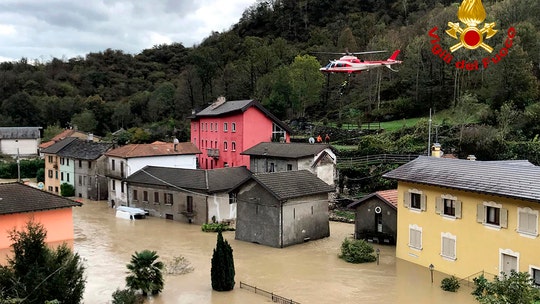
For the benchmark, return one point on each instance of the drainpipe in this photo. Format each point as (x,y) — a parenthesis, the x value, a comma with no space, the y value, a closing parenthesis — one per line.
(281,223)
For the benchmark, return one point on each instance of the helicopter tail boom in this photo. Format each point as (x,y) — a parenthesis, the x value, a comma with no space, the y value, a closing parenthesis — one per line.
(394,56)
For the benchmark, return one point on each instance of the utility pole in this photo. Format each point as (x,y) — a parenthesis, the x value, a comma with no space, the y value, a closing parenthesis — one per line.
(429,135)
(18,167)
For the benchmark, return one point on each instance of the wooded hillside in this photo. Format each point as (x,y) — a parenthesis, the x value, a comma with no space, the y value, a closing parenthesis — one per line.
(270,55)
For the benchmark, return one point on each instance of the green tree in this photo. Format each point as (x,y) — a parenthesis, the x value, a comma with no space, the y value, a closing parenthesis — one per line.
(126,296)
(85,121)
(145,272)
(275,91)
(307,81)
(222,272)
(506,117)
(357,251)
(466,111)
(67,190)
(161,104)
(51,131)
(514,288)
(37,274)
(40,175)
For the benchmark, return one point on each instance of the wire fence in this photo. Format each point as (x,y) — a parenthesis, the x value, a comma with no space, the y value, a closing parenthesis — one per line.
(346,162)
(275,298)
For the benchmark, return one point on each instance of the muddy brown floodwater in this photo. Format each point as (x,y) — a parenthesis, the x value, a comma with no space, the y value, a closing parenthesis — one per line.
(307,273)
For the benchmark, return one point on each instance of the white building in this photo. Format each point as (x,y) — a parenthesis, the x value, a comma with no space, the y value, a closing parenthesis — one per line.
(128,159)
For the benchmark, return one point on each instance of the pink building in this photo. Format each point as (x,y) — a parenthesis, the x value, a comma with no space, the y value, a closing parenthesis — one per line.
(226,128)
(21,203)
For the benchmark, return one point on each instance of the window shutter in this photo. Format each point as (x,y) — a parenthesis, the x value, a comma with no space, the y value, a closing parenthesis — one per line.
(406,199)
(458,209)
(523,223)
(415,238)
(438,205)
(423,202)
(480,213)
(504,217)
(533,219)
(449,246)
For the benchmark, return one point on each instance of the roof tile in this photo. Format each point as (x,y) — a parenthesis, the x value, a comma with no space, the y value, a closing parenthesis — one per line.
(18,198)
(514,179)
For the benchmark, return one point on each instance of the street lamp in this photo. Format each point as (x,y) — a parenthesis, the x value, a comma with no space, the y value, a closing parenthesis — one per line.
(378,251)
(431,267)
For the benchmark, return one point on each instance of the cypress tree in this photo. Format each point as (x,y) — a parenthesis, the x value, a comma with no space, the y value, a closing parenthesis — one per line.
(222,271)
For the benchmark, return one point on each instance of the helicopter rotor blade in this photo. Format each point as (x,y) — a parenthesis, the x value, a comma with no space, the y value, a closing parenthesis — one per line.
(349,53)
(367,52)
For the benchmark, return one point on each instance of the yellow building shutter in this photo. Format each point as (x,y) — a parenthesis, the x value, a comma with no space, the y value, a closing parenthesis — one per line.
(458,209)
(406,199)
(423,202)
(504,218)
(480,213)
(438,205)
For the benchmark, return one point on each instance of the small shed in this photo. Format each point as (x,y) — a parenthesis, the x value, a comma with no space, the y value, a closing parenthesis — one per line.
(376,217)
(282,208)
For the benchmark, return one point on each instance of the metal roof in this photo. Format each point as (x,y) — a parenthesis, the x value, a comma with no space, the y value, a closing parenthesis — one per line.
(513,179)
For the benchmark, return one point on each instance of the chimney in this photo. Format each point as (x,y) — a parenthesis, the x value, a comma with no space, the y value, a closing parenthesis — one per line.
(471,157)
(436,150)
(219,101)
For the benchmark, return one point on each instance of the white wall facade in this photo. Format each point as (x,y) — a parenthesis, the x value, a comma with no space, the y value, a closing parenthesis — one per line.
(118,194)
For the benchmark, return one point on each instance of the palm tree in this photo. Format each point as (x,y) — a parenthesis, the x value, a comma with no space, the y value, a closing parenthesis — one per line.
(145,272)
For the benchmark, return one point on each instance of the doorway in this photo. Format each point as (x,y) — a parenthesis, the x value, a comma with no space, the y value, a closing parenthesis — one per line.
(378,220)
(508,263)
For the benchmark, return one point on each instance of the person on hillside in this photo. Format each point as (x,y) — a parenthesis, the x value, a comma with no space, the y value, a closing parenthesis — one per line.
(327,139)
(319,139)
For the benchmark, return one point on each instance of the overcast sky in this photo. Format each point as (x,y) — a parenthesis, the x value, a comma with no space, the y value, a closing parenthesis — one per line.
(44,29)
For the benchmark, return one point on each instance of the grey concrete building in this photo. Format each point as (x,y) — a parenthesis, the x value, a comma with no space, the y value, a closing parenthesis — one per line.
(376,217)
(186,195)
(319,159)
(282,208)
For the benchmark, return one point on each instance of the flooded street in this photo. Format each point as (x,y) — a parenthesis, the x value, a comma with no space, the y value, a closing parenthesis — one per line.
(306,273)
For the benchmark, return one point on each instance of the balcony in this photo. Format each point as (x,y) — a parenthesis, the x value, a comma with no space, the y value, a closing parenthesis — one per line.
(214,153)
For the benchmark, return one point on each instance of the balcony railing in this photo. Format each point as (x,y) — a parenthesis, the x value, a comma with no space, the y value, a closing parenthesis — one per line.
(212,153)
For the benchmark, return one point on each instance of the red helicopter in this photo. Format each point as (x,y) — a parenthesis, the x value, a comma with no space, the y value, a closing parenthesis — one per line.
(350,64)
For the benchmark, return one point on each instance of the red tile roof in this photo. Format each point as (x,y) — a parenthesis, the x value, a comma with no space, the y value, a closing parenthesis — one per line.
(65,134)
(389,195)
(153,149)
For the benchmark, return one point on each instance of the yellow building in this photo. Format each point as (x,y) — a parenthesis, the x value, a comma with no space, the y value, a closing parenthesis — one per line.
(464,216)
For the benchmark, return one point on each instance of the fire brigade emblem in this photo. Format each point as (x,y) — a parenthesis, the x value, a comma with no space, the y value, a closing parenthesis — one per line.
(471,13)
